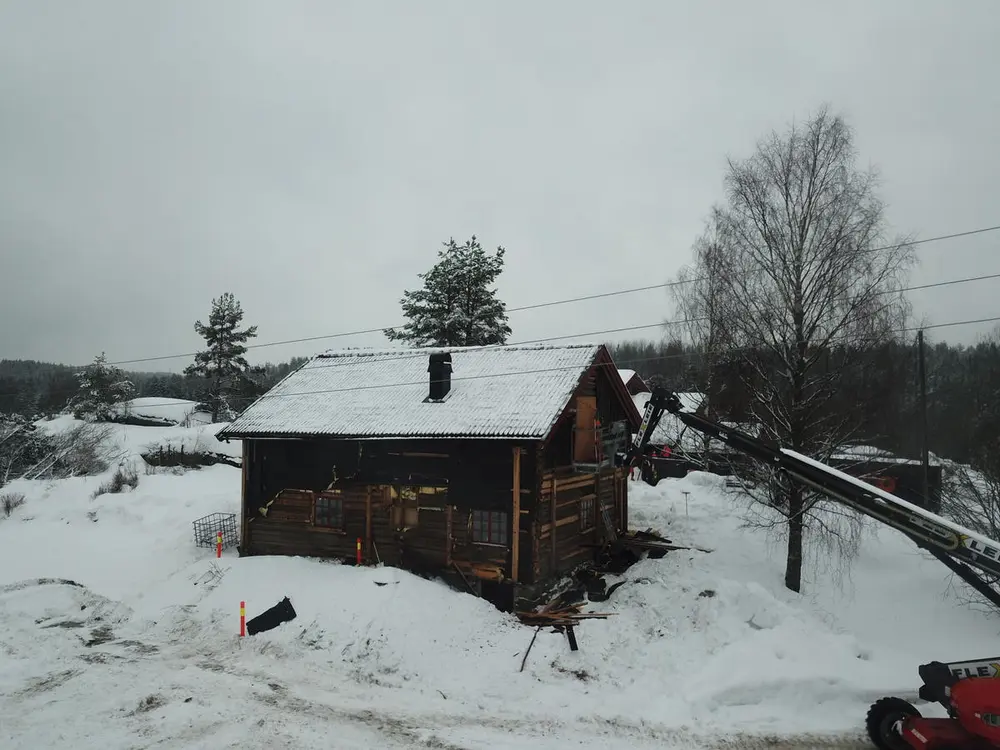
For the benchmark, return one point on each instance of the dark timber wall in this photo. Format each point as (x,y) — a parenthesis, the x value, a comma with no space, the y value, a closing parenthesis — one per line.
(411,503)
(485,512)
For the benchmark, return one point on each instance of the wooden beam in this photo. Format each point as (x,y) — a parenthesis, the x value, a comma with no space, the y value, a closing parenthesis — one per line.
(552,506)
(244,515)
(368,523)
(448,535)
(563,521)
(623,490)
(515,551)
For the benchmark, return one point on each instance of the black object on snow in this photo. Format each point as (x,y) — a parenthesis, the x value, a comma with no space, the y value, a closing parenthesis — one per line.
(281,612)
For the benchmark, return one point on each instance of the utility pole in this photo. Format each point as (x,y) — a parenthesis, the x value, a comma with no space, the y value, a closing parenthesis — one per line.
(924,453)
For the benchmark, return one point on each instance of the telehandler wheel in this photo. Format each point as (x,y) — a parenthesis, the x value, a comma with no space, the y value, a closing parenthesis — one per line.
(881,722)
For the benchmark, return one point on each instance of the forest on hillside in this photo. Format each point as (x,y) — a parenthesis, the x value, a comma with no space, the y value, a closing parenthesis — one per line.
(962,392)
(31,388)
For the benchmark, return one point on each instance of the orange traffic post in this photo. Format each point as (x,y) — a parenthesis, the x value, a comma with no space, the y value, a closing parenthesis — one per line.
(359,550)
(218,545)
(243,619)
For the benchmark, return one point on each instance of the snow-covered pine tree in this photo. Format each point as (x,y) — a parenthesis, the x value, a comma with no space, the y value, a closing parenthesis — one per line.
(456,306)
(22,445)
(102,387)
(222,363)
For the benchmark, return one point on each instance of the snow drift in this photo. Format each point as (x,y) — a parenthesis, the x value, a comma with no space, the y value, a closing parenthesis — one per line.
(118,631)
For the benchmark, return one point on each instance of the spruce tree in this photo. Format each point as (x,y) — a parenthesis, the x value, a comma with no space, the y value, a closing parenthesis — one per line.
(456,306)
(101,388)
(222,363)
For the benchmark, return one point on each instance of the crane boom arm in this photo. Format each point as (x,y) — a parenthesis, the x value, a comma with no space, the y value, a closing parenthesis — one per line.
(959,548)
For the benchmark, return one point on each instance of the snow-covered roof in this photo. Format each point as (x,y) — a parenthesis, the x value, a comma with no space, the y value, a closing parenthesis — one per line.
(632,380)
(870,453)
(511,391)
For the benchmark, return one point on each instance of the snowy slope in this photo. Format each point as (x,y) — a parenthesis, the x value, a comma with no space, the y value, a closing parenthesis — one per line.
(126,440)
(702,646)
(177,410)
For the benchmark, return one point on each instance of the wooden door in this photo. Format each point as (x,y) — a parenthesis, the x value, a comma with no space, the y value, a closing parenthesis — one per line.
(585,435)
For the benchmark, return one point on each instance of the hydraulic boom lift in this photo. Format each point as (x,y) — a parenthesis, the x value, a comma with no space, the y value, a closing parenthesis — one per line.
(969,691)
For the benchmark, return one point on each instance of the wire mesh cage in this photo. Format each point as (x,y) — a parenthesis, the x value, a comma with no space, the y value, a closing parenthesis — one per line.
(207,528)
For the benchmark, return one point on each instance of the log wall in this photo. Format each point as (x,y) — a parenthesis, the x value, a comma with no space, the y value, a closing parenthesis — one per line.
(420,527)
(563,538)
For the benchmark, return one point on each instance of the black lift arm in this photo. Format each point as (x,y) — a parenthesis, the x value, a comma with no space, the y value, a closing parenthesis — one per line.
(960,549)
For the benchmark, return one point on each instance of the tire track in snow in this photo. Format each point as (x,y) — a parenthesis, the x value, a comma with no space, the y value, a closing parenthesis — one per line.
(434,729)
(446,729)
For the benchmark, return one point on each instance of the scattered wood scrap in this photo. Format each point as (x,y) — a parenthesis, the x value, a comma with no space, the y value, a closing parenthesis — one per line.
(528,650)
(650,540)
(561,617)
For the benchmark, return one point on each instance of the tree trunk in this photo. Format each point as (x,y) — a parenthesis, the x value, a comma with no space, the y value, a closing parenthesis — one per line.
(215,401)
(793,561)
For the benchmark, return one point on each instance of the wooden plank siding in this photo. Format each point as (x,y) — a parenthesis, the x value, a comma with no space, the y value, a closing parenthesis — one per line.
(408,525)
(564,537)
(553,539)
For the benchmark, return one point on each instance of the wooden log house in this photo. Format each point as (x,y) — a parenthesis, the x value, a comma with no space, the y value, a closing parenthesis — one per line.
(490,466)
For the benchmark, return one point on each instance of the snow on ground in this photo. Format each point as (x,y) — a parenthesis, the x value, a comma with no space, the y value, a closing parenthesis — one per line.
(131,637)
(177,410)
(131,440)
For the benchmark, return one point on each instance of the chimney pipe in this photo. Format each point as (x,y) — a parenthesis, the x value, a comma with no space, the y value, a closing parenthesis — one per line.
(440,372)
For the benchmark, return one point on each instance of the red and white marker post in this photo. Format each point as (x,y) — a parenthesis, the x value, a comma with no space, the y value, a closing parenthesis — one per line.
(218,545)
(243,619)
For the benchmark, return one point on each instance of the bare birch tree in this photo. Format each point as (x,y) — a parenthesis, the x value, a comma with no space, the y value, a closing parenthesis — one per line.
(699,312)
(799,282)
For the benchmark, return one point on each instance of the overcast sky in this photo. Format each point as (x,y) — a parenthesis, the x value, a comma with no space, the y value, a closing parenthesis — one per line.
(310,157)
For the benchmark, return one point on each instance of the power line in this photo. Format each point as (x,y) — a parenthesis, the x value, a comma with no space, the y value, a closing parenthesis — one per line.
(566,367)
(661,357)
(536,306)
(394,356)
(390,354)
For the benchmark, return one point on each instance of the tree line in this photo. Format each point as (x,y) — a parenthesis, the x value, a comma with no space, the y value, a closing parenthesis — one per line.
(220,379)
(962,382)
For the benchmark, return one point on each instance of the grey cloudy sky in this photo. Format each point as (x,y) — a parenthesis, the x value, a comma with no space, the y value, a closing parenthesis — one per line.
(310,157)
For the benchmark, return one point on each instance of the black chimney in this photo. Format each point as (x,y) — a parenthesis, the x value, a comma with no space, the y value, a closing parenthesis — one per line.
(440,370)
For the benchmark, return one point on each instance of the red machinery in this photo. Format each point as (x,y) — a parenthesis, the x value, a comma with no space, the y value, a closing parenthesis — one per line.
(968,691)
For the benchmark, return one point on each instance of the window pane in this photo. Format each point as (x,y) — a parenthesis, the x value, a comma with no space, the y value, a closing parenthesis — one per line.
(587,513)
(498,528)
(329,512)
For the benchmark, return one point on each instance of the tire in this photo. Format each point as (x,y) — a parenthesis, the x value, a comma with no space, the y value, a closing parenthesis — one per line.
(882,715)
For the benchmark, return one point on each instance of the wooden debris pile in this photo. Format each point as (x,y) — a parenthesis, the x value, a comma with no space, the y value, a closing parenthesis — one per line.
(649,540)
(560,616)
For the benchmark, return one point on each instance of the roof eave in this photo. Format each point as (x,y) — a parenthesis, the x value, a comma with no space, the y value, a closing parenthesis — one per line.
(379,436)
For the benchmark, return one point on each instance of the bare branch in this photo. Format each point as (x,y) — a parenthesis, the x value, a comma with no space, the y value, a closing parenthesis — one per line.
(797,285)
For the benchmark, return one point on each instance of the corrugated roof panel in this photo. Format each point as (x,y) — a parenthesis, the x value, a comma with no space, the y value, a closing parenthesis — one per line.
(515,391)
